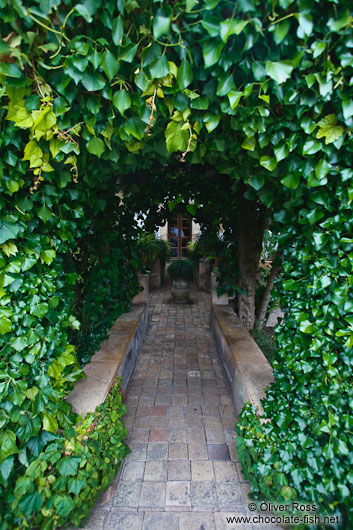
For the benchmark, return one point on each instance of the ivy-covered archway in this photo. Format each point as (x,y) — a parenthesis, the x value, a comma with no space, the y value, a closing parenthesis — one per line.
(260,90)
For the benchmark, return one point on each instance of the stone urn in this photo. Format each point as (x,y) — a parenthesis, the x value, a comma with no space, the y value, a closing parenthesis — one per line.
(180,291)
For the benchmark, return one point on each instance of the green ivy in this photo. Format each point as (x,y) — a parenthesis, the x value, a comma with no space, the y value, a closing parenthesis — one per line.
(67,477)
(95,92)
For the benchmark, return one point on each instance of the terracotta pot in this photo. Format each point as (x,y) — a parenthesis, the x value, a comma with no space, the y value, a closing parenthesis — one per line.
(180,291)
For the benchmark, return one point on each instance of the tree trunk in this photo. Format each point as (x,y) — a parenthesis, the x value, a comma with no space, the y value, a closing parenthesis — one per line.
(251,227)
(266,296)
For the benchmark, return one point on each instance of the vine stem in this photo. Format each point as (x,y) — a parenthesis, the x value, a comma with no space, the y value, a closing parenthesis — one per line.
(182,159)
(62,35)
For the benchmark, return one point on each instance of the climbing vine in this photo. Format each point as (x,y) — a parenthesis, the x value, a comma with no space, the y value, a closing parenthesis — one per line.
(92,91)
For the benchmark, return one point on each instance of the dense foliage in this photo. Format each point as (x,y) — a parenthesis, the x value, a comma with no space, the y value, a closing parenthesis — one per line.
(260,90)
(181,269)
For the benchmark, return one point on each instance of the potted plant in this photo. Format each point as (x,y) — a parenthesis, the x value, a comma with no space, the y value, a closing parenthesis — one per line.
(181,271)
(158,263)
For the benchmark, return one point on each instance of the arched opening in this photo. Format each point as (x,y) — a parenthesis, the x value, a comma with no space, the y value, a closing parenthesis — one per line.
(108,97)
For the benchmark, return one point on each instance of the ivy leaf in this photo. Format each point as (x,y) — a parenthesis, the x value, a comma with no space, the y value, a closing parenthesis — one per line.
(44,213)
(347,107)
(49,423)
(84,11)
(64,505)
(5,325)
(281,31)
(191,208)
(161,24)
(291,181)
(142,81)
(281,152)
(230,27)
(211,52)
(185,75)
(234,98)
(190,4)
(257,182)
(95,146)
(110,65)
(122,101)
(34,154)
(6,467)
(268,162)
(249,143)
(211,121)
(31,503)
(68,465)
(48,256)
(328,129)
(117,31)
(39,310)
(10,70)
(159,68)
(176,137)
(75,485)
(135,127)
(211,26)
(311,147)
(305,25)
(280,71)
(8,230)
(8,445)
(93,81)
(321,169)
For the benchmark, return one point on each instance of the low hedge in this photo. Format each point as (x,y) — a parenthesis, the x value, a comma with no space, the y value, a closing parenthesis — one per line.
(64,481)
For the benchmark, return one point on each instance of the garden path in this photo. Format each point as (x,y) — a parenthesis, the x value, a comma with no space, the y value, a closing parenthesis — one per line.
(183,471)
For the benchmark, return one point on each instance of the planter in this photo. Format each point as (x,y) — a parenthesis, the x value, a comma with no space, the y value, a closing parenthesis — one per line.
(155,277)
(217,300)
(204,274)
(143,296)
(180,292)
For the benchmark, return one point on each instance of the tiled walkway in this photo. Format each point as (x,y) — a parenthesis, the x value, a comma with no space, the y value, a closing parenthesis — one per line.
(182,473)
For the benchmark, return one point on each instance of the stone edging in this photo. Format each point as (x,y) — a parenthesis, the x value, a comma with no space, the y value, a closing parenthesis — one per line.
(246,366)
(116,356)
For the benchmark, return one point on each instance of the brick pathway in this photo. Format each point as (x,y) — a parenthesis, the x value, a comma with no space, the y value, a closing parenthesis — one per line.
(182,473)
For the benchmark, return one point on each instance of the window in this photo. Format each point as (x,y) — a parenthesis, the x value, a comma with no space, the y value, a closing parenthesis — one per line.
(179,235)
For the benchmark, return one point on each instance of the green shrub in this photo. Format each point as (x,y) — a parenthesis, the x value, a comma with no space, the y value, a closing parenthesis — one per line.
(66,479)
(265,342)
(181,269)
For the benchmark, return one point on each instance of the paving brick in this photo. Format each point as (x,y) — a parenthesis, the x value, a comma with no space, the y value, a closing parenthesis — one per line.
(218,452)
(178,451)
(155,470)
(225,471)
(133,471)
(203,494)
(125,520)
(138,452)
(158,435)
(178,493)
(197,451)
(229,494)
(179,470)
(202,470)
(160,521)
(157,451)
(197,521)
(159,410)
(127,494)
(97,519)
(177,435)
(152,495)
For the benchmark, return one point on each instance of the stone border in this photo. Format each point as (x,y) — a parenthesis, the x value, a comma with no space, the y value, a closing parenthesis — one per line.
(246,366)
(117,356)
